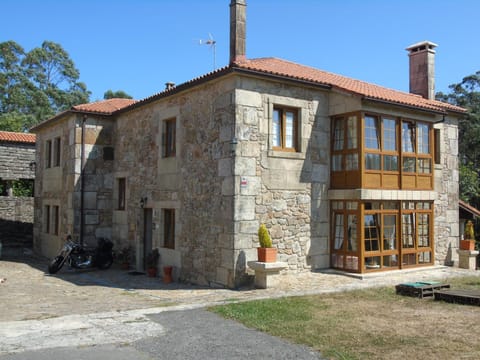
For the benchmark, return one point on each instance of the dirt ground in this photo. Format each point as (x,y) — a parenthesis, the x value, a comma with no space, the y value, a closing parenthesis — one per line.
(30,293)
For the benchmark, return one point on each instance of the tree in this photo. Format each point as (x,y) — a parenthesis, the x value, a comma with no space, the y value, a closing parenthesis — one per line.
(467,95)
(36,85)
(109,94)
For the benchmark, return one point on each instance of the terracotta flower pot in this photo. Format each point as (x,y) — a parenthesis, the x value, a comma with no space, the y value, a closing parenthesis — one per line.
(167,274)
(467,244)
(152,272)
(267,254)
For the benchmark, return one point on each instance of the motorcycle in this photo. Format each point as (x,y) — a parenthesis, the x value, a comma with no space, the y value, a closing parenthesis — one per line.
(79,257)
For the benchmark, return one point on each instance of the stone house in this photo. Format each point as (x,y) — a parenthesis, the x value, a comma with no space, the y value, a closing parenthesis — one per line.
(17,156)
(345,174)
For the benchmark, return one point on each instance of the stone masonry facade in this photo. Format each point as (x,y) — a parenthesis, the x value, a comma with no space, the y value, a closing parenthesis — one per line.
(220,193)
(16,213)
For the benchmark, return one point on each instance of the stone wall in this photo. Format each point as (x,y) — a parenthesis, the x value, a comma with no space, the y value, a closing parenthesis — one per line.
(15,159)
(196,183)
(286,191)
(16,213)
(16,222)
(60,185)
(447,230)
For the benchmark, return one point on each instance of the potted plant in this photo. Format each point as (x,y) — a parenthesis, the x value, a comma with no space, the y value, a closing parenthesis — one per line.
(152,262)
(469,237)
(125,256)
(265,253)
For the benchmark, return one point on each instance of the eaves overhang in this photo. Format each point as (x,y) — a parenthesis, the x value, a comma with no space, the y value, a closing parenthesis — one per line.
(405,106)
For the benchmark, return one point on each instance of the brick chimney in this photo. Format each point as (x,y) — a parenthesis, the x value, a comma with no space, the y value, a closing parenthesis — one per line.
(238,31)
(422,69)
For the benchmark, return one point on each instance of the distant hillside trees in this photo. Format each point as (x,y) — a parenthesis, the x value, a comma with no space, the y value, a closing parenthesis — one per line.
(467,94)
(119,94)
(37,84)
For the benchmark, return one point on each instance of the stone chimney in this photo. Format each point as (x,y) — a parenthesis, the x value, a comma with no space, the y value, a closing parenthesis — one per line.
(422,69)
(238,31)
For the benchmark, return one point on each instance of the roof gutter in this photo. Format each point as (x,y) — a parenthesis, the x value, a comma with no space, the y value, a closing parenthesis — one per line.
(410,107)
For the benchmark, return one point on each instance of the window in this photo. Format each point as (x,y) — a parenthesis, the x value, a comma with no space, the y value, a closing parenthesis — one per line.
(46,218)
(423,230)
(393,235)
(337,162)
(48,154)
(108,153)
(424,166)
(389,232)
(423,143)
(372,161)
(56,152)
(390,163)
(345,142)
(345,235)
(55,219)
(351,161)
(284,132)
(389,135)
(408,137)
(436,134)
(169,138)
(121,193)
(352,232)
(338,231)
(371,133)
(169,228)
(371,228)
(409,164)
(407,231)
(352,132)
(387,142)
(338,134)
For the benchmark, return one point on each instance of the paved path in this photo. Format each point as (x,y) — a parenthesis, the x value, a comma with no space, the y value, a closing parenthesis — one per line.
(113,307)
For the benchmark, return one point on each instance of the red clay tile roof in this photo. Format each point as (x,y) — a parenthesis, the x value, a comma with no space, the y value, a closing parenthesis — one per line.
(105,106)
(296,71)
(17,137)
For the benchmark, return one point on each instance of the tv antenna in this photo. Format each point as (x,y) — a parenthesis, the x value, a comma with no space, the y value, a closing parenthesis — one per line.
(212,43)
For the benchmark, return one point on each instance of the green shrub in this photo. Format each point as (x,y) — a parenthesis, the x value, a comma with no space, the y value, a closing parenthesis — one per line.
(264,237)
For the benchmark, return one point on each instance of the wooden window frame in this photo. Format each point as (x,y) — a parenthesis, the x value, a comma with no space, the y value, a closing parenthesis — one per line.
(436,146)
(388,253)
(345,150)
(169,228)
(283,110)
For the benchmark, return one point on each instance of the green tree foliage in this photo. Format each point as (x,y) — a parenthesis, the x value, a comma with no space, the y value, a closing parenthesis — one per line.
(467,95)
(109,94)
(37,84)
(23,187)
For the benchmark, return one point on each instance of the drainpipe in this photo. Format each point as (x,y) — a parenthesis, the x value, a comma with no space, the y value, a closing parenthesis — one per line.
(82,180)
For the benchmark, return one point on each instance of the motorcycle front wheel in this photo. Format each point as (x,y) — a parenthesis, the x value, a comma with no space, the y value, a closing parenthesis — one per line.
(56,265)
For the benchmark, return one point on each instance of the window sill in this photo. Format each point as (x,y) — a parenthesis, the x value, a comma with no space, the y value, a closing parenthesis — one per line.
(286,154)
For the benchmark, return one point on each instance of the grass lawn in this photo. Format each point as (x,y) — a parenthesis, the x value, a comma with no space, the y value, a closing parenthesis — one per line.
(369,324)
